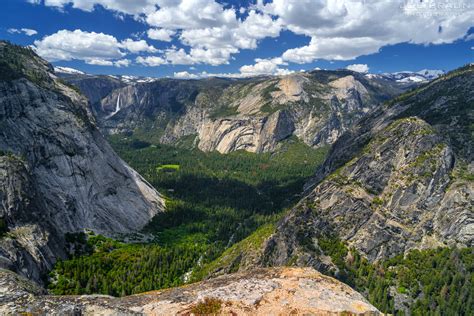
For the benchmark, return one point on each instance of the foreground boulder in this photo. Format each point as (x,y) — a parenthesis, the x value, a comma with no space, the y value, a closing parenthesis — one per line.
(276,291)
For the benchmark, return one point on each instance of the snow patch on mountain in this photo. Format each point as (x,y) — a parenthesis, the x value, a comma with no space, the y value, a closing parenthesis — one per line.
(430,73)
(68,70)
(409,76)
(133,79)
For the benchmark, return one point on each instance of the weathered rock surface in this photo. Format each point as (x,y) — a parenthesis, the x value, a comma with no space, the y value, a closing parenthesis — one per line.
(57,173)
(278,291)
(250,134)
(401,179)
(249,114)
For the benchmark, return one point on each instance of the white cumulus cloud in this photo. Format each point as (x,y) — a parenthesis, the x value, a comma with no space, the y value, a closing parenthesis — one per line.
(99,62)
(338,48)
(261,67)
(346,29)
(137,46)
(212,32)
(212,57)
(91,47)
(122,63)
(164,35)
(264,67)
(190,14)
(363,68)
(185,75)
(68,45)
(151,61)
(133,7)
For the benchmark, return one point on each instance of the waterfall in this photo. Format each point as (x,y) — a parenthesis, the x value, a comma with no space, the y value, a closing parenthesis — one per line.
(117,108)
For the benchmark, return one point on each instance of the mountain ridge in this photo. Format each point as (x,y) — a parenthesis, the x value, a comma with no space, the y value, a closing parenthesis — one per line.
(252,114)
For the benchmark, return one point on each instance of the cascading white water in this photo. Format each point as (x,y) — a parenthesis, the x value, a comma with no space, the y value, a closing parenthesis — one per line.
(117,107)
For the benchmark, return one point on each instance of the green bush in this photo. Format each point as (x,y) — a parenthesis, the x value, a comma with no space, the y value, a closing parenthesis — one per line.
(209,306)
(377,201)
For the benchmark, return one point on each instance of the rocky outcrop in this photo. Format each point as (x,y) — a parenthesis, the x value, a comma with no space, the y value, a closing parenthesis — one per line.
(401,179)
(250,134)
(249,114)
(57,172)
(281,291)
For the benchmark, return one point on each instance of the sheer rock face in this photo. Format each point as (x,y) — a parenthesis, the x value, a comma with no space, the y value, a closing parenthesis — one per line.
(27,247)
(250,134)
(250,114)
(400,180)
(280,291)
(58,174)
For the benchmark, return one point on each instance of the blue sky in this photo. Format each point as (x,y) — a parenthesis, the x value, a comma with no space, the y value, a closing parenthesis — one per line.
(242,38)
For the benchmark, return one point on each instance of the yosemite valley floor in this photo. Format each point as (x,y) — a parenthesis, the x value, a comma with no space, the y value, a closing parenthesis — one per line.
(213,201)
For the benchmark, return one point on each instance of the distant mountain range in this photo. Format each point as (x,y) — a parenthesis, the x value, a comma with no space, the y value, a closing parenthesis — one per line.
(401,76)
(65,71)
(410,76)
(252,114)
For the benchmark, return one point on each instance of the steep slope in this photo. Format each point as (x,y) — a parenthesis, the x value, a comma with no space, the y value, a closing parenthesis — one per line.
(57,172)
(402,179)
(283,291)
(252,114)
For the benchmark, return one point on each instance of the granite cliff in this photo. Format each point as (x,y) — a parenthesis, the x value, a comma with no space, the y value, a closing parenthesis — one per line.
(58,174)
(401,179)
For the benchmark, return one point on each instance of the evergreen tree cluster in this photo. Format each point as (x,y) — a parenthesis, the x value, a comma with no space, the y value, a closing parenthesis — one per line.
(432,282)
(119,269)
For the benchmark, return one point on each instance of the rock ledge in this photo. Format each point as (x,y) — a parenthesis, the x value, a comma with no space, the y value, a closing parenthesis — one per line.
(275,291)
